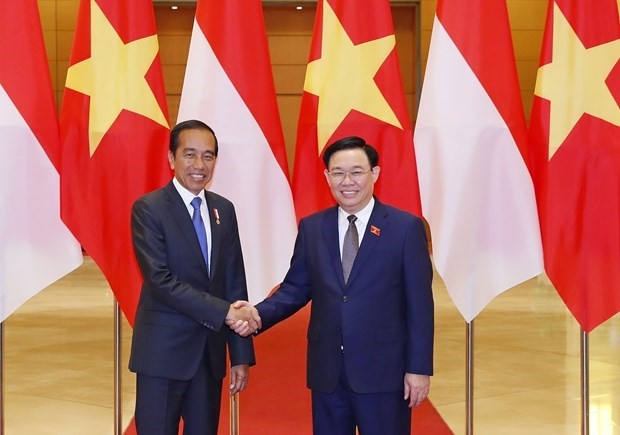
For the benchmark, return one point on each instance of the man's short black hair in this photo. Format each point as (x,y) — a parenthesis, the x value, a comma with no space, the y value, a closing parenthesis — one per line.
(349,143)
(192,124)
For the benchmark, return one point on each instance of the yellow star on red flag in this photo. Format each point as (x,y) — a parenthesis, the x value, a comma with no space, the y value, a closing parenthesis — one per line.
(114,77)
(343,78)
(583,71)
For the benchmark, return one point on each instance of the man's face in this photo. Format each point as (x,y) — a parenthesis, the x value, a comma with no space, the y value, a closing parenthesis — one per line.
(351,179)
(194,160)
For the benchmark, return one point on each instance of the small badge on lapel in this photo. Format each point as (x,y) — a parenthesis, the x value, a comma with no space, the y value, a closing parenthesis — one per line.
(217,216)
(376,231)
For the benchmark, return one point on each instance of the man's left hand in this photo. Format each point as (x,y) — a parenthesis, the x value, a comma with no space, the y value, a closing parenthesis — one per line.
(239,377)
(416,388)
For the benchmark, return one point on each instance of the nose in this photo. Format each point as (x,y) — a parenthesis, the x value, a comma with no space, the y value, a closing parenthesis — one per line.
(349,177)
(198,163)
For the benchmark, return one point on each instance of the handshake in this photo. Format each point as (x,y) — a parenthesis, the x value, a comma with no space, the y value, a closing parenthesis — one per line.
(243,318)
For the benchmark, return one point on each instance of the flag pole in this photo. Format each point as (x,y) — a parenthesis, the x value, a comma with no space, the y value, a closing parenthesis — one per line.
(118,429)
(469,381)
(585,382)
(234,414)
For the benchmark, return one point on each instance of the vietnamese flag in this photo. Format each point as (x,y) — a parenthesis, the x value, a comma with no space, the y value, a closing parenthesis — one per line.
(353,87)
(114,134)
(470,140)
(575,138)
(229,86)
(36,248)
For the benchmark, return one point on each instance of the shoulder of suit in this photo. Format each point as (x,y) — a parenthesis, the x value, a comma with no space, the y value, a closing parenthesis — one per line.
(317,216)
(216,198)
(153,196)
(390,210)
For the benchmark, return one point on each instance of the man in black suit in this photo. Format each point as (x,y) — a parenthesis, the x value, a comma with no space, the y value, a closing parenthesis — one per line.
(366,268)
(187,245)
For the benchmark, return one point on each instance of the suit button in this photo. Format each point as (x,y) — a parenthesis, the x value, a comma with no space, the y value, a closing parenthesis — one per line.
(345,298)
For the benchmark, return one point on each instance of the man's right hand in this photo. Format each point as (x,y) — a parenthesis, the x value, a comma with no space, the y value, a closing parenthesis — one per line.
(243,318)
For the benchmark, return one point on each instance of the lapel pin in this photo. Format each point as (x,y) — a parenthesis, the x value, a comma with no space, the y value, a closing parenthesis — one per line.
(376,231)
(217,216)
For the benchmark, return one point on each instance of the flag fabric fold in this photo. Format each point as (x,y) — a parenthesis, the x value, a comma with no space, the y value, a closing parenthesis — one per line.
(353,87)
(575,144)
(114,134)
(470,141)
(36,248)
(229,86)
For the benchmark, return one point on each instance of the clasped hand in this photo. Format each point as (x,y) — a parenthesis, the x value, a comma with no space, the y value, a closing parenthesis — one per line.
(243,318)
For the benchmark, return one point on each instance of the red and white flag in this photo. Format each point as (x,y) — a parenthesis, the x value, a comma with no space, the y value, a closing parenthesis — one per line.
(229,86)
(36,248)
(114,134)
(575,136)
(353,87)
(470,139)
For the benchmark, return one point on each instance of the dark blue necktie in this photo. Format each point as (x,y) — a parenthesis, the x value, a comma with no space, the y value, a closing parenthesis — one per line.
(199,226)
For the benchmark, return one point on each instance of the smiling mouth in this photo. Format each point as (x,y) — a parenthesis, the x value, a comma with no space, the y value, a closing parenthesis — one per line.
(197,176)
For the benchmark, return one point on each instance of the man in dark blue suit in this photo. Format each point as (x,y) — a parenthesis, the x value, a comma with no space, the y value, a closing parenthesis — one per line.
(370,337)
(187,245)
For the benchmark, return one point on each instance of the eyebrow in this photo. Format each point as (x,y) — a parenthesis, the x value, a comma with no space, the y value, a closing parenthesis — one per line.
(340,168)
(195,151)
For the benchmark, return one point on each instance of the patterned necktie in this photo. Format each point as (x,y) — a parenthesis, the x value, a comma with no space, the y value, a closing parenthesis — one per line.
(199,226)
(350,247)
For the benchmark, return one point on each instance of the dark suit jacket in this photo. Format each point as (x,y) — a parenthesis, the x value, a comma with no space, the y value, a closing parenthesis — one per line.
(181,310)
(383,316)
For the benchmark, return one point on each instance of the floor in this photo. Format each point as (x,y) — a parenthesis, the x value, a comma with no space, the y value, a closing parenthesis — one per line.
(58,363)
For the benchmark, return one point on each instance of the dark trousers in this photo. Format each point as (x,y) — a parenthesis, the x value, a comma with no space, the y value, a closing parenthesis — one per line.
(340,412)
(160,404)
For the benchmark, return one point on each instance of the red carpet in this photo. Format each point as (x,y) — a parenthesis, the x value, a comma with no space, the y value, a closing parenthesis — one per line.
(277,401)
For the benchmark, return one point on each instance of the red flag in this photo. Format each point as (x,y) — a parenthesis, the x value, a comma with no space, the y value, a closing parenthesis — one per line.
(353,87)
(575,137)
(32,235)
(240,104)
(477,193)
(114,133)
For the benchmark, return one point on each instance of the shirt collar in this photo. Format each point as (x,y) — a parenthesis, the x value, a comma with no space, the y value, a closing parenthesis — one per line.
(186,195)
(363,215)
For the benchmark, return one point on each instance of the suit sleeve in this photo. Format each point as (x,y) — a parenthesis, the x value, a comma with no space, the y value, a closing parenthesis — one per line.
(241,349)
(418,276)
(164,285)
(294,292)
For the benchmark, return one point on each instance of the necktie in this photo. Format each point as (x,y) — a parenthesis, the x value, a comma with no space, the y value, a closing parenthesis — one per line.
(199,226)
(350,247)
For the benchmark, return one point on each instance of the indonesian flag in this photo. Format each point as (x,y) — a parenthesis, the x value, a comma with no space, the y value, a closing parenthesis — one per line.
(114,134)
(353,87)
(36,248)
(470,139)
(229,86)
(575,136)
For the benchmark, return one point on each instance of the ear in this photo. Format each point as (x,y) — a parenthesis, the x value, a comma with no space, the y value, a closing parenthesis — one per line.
(375,173)
(171,159)
(326,172)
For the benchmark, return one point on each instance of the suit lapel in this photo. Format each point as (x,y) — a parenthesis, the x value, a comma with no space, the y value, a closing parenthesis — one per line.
(329,228)
(378,219)
(181,216)
(216,229)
